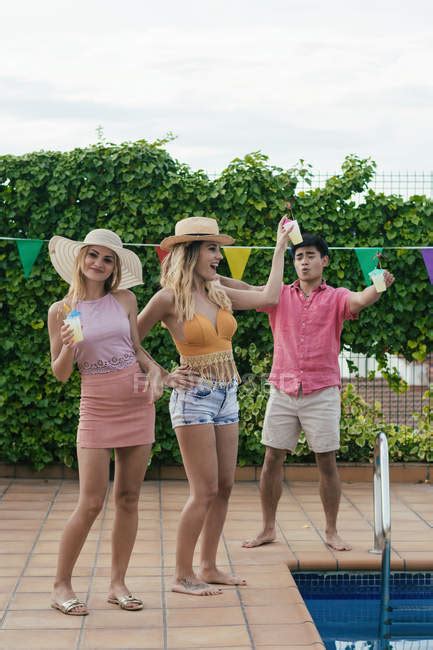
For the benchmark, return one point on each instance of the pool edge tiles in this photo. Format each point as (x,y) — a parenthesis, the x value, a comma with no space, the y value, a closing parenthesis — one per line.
(353,584)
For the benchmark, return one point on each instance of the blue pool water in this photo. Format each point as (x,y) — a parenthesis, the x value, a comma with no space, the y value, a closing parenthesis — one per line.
(345,608)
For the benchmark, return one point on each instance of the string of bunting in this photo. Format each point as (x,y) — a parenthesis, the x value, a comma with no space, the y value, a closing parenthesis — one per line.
(237,256)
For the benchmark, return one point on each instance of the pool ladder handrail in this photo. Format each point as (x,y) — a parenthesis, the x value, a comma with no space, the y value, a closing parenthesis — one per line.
(382,527)
(382,506)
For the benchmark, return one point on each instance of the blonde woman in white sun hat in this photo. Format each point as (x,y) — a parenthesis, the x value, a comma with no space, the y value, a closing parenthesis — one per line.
(116,408)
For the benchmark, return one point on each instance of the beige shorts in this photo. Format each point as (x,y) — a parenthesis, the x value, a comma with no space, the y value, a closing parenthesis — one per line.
(317,414)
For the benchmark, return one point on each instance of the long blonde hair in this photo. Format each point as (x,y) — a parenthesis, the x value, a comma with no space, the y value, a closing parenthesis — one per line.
(77,288)
(178,274)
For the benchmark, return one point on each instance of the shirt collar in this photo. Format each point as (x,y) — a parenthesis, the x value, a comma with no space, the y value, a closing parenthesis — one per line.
(297,285)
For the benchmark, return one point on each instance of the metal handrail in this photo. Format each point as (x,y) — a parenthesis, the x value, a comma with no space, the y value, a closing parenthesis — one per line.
(382,507)
(382,527)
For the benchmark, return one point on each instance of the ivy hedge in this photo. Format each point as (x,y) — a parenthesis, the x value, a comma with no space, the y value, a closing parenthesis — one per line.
(139,191)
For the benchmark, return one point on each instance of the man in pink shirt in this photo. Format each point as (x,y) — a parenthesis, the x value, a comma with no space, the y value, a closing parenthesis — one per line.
(305,381)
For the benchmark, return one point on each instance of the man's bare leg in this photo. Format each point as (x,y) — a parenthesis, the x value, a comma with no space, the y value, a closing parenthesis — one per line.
(330,494)
(271,486)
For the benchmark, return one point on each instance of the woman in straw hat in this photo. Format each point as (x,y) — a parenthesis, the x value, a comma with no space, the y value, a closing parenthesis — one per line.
(116,409)
(197,311)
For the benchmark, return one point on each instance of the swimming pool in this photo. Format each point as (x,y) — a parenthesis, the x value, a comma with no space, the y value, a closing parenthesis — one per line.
(346,607)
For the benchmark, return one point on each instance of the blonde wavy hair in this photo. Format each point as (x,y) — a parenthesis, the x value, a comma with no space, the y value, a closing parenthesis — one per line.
(77,288)
(178,274)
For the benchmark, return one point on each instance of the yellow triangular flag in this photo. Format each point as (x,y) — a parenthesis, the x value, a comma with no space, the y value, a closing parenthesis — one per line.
(237,259)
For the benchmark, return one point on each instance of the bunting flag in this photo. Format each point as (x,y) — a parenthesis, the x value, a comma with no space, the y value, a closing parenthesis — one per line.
(28,250)
(161,254)
(368,259)
(237,259)
(427,254)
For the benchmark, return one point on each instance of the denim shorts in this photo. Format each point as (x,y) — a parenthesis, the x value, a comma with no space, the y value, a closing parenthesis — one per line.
(207,403)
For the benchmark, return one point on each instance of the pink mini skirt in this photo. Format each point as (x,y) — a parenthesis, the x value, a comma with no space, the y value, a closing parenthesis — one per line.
(115,411)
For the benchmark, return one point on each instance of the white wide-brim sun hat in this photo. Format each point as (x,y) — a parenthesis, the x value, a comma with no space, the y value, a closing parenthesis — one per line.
(63,252)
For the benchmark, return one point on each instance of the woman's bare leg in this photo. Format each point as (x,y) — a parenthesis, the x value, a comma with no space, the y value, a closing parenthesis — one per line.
(198,448)
(227,448)
(93,467)
(130,468)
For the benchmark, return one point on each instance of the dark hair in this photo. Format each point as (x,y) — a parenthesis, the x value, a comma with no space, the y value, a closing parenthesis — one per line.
(311,240)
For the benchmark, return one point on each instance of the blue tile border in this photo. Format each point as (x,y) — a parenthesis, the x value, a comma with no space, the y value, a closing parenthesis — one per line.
(355,584)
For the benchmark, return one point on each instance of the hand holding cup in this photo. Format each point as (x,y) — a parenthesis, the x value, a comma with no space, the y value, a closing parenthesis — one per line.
(389,278)
(382,279)
(292,227)
(74,322)
(67,336)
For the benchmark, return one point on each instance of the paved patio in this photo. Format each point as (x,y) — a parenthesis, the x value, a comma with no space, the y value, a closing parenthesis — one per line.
(268,613)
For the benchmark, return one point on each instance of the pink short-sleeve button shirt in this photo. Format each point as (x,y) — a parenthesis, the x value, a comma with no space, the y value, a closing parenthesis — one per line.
(307,337)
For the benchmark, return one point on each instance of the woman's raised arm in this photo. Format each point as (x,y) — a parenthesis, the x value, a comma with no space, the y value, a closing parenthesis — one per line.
(270,294)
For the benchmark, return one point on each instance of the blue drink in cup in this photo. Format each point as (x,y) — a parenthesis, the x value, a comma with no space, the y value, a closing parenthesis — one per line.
(73,320)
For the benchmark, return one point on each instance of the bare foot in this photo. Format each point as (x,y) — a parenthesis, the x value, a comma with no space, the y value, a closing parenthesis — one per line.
(217,577)
(265,537)
(195,587)
(335,542)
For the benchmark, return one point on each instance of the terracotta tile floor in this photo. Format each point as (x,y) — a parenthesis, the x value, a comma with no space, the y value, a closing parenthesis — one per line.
(268,613)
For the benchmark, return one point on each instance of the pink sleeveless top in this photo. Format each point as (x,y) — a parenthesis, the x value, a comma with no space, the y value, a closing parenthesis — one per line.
(107,344)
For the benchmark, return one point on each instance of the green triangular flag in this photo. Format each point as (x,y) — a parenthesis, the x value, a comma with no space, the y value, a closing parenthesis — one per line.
(368,259)
(28,250)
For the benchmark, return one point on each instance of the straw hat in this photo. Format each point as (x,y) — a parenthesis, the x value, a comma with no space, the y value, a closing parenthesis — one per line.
(63,252)
(196,229)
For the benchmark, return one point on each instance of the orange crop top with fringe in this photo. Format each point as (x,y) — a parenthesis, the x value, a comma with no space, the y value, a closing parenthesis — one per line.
(208,349)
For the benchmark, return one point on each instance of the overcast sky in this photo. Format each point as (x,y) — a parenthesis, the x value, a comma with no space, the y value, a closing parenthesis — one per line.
(316,79)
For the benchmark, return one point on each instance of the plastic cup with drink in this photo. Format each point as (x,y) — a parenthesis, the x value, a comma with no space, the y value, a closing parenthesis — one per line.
(295,233)
(74,322)
(377,276)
